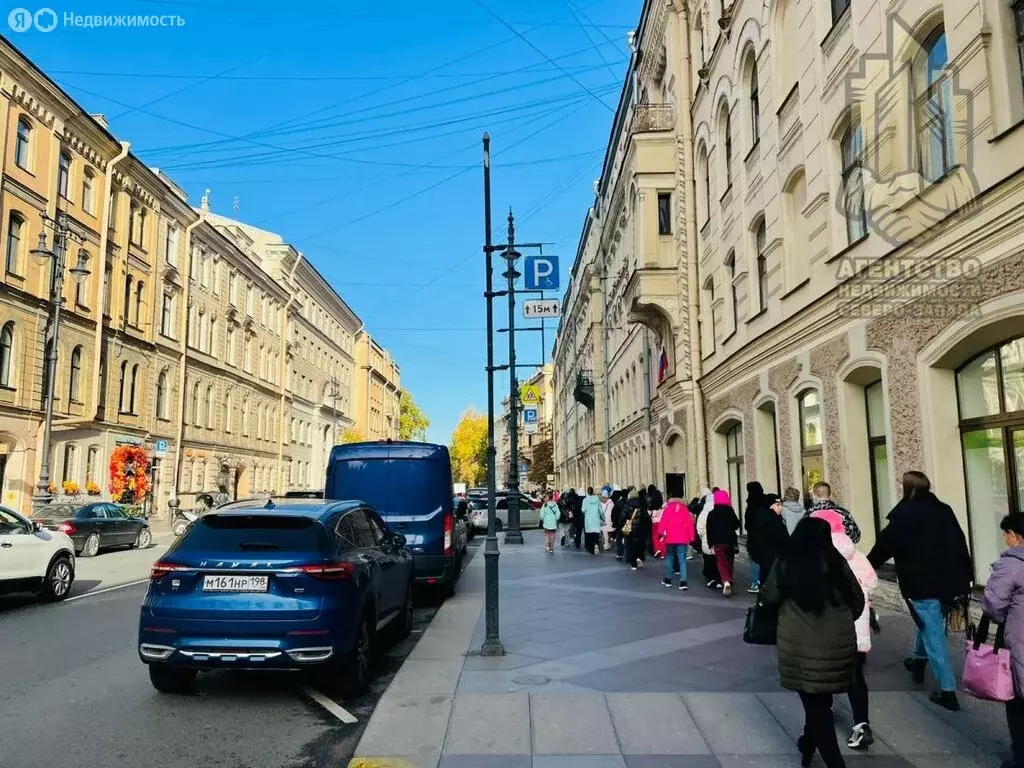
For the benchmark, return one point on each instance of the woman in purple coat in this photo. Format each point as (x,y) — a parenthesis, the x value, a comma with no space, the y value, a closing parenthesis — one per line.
(1004,603)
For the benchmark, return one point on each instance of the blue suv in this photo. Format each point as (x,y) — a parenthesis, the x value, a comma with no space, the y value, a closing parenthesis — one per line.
(286,584)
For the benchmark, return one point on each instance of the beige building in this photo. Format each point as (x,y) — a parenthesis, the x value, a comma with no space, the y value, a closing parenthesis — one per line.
(543,379)
(212,344)
(858,248)
(376,391)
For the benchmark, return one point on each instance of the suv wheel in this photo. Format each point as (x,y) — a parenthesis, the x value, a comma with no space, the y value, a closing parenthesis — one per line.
(406,619)
(91,546)
(497,525)
(360,659)
(172,679)
(59,578)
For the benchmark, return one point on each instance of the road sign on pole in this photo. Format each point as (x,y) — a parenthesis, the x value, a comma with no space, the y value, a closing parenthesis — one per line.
(540,273)
(529,396)
(530,416)
(541,308)
(161,448)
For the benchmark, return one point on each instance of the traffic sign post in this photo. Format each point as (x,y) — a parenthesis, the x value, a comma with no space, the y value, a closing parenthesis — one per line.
(533,308)
(161,448)
(530,416)
(529,396)
(540,273)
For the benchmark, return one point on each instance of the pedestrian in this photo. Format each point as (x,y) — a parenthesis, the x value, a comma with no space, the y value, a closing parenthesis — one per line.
(793,510)
(677,534)
(1004,604)
(565,517)
(769,531)
(933,568)
(655,505)
(755,501)
(577,518)
(822,499)
(707,503)
(639,533)
(722,527)
(593,519)
(550,514)
(818,599)
(606,528)
(861,737)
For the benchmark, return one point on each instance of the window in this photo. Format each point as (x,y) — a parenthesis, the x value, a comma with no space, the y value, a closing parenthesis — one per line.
(261,422)
(233,289)
(726,125)
(755,104)
(70,470)
(75,380)
(131,394)
(88,192)
(64,174)
(209,407)
(127,299)
(23,145)
(15,232)
(207,270)
(194,264)
(106,290)
(990,391)
(933,92)
(232,351)
(250,301)
(704,169)
(122,387)
(1018,19)
(103,381)
(730,277)
(171,246)
(761,246)
(734,460)
(167,316)
(194,406)
(874,402)
(113,210)
(92,465)
(812,463)
(139,291)
(838,9)
(664,213)
(851,147)
(245,418)
(247,362)
(228,412)
(161,395)
(709,290)
(6,355)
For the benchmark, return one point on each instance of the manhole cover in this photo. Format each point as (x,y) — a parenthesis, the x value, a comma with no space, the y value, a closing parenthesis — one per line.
(531,680)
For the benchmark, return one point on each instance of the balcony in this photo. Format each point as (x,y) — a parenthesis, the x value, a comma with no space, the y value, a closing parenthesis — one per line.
(584,390)
(648,118)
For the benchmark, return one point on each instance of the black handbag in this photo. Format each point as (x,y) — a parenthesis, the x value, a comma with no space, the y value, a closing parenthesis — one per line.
(762,625)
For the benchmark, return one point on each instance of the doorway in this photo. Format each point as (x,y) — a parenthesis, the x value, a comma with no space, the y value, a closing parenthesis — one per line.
(675,485)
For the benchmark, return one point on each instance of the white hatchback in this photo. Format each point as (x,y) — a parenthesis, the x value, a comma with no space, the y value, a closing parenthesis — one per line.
(33,559)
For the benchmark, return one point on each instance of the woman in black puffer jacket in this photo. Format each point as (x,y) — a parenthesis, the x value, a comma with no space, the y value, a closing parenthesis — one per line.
(818,599)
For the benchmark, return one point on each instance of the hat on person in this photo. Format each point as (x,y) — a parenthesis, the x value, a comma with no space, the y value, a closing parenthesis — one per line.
(770,499)
(833,518)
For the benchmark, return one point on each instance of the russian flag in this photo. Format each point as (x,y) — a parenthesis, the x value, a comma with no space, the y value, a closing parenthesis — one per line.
(662,366)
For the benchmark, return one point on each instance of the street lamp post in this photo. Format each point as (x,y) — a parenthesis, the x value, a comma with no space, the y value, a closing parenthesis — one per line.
(514,535)
(61,234)
(334,411)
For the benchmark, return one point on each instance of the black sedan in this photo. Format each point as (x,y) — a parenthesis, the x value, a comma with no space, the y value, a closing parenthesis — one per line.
(95,526)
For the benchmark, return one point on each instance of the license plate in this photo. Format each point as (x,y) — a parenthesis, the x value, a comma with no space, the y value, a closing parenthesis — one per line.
(230,583)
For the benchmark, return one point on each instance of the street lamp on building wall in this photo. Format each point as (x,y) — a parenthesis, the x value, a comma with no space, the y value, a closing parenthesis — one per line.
(61,235)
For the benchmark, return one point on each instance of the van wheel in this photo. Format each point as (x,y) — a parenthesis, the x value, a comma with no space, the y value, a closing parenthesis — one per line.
(172,679)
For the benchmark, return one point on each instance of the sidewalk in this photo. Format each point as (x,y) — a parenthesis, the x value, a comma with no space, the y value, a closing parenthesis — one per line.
(606,668)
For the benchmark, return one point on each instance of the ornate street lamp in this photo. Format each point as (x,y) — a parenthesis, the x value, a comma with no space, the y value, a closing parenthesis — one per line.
(80,272)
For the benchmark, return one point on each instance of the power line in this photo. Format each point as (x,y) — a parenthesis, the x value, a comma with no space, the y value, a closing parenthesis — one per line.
(597,48)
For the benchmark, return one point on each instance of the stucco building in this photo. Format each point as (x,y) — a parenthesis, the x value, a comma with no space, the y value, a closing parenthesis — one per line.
(376,391)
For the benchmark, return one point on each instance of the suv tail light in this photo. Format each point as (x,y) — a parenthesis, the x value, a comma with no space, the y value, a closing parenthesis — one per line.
(327,571)
(449,526)
(67,528)
(161,569)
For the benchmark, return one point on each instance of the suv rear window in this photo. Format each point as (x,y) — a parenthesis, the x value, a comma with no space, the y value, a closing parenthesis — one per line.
(254,533)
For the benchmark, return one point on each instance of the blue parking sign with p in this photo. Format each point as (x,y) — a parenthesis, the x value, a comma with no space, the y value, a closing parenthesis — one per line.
(540,273)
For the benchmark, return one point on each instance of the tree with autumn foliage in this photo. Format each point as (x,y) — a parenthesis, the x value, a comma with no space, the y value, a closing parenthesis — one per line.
(469,449)
(412,422)
(352,435)
(543,462)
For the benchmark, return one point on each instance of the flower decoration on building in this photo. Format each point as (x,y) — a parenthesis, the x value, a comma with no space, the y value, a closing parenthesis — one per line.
(129,478)
(51,489)
(92,488)
(70,487)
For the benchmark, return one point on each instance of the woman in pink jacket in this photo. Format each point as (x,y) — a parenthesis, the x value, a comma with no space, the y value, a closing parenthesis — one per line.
(676,533)
(861,738)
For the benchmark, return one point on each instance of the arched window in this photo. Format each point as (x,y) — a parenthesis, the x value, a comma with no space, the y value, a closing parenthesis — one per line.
(730,287)
(161,395)
(228,412)
(247,362)
(122,388)
(761,247)
(210,417)
(990,392)
(135,378)
(262,363)
(851,149)
(92,465)
(64,175)
(811,461)
(139,291)
(212,346)
(788,56)
(874,407)
(23,145)
(7,355)
(245,417)
(127,299)
(88,192)
(194,406)
(232,351)
(704,187)
(15,238)
(70,470)
(725,129)
(797,258)
(261,421)
(754,103)
(933,96)
(709,298)
(103,381)
(201,332)
(75,379)
(734,460)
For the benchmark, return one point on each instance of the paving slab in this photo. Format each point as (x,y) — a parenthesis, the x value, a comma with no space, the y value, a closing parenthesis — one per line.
(490,724)
(409,726)
(486,761)
(578,761)
(738,724)
(672,761)
(572,725)
(657,724)
(911,727)
(423,676)
(787,709)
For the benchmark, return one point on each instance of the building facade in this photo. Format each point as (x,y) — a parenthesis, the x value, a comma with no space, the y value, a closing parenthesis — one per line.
(859,250)
(212,344)
(527,441)
(376,392)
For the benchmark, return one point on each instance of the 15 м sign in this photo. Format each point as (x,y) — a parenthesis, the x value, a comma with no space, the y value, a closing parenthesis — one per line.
(542,308)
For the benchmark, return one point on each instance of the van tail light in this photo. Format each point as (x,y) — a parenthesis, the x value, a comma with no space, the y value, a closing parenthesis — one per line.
(449,526)
(326,571)
(161,569)
(67,528)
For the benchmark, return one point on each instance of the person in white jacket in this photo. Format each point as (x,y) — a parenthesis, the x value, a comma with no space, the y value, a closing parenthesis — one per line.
(707,500)
(861,738)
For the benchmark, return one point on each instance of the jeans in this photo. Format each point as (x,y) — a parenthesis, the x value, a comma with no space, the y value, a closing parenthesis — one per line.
(1015,721)
(675,561)
(591,541)
(858,692)
(930,643)
(755,574)
(620,545)
(724,557)
(820,728)
(549,540)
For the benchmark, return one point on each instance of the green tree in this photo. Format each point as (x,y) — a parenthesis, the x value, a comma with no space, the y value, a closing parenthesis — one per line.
(469,448)
(543,462)
(412,422)
(352,435)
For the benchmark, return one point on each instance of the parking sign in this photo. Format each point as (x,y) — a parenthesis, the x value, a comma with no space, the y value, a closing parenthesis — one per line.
(540,273)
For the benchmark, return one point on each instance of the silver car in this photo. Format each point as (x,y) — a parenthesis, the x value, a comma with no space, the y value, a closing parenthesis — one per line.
(528,516)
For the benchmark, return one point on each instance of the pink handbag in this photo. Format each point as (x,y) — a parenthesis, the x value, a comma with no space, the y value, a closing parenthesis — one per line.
(988,673)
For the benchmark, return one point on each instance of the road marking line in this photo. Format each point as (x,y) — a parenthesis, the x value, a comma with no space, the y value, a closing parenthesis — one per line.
(330,705)
(107,589)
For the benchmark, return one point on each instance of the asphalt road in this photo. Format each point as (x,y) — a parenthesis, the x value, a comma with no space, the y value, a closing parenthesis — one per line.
(75,693)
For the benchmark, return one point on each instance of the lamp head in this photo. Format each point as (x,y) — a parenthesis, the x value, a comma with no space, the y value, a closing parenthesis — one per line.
(41,252)
(81,270)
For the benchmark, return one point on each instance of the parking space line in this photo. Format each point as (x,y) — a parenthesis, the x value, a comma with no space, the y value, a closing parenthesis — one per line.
(107,589)
(330,705)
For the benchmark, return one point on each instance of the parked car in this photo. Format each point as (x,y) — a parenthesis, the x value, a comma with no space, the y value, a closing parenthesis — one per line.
(304,494)
(410,484)
(462,509)
(33,559)
(95,526)
(276,585)
(529,516)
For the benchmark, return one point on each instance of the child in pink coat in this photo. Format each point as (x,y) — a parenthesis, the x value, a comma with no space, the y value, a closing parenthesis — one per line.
(861,738)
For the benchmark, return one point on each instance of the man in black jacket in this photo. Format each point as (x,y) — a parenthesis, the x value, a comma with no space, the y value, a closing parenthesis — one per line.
(770,534)
(933,565)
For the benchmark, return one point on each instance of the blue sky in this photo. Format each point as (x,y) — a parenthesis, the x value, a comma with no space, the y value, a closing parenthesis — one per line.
(354,131)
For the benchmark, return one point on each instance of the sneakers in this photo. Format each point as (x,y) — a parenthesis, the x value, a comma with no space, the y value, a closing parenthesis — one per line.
(632,567)
(945,699)
(754,589)
(597,550)
(666,583)
(861,738)
(807,751)
(639,563)
(714,584)
(916,669)
(727,589)
(618,557)
(683,586)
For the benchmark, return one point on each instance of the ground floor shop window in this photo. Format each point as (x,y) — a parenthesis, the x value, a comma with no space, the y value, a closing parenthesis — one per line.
(734,461)
(879,453)
(812,462)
